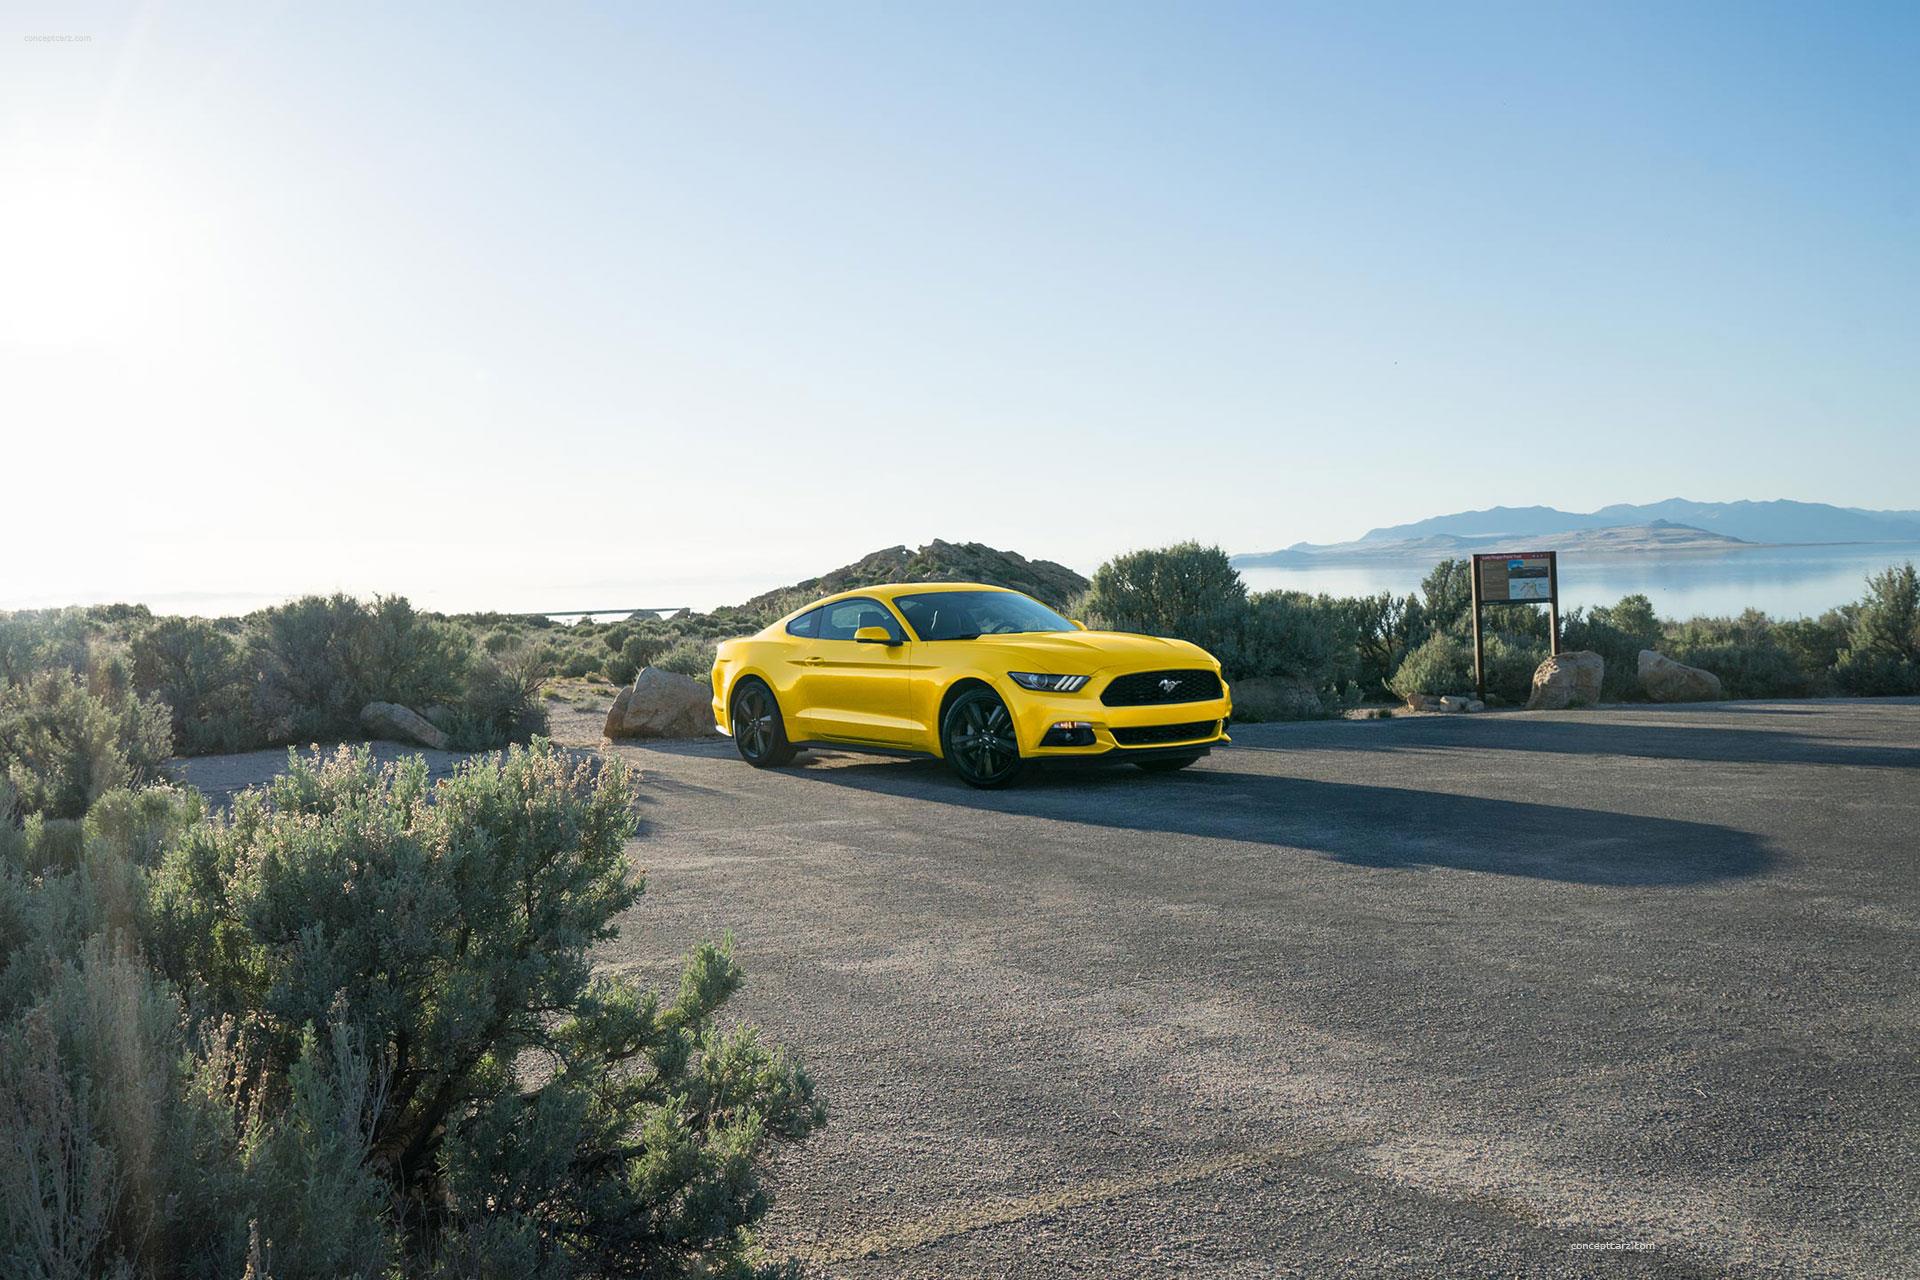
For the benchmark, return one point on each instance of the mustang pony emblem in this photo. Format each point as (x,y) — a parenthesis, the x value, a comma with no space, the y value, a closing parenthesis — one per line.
(1168,686)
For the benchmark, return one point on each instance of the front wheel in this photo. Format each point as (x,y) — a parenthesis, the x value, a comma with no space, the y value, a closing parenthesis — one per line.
(978,740)
(758,731)
(1166,764)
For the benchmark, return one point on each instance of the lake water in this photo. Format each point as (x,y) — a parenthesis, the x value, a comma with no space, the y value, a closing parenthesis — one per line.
(1787,582)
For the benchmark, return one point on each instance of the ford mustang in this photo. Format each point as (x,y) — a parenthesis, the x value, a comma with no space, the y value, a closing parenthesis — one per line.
(985,678)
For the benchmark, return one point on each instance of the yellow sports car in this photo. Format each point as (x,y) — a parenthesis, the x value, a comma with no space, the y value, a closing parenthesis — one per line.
(985,678)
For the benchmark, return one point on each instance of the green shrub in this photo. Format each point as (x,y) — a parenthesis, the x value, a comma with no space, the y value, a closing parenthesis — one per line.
(1745,652)
(1617,633)
(309,689)
(370,1041)
(1442,665)
(500,704)
(201,673)
(63,745)
(1446,595)
(471,1097)
(1189,591)
(1883,651)
(399,656)
(635,651)
(1299,639)
(1816,643)
(1384,628)
(689,657)
(36,640)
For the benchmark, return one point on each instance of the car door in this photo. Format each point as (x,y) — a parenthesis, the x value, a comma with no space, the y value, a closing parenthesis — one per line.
(854,692)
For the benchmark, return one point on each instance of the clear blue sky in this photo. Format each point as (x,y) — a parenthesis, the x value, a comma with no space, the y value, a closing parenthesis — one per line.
(545,306)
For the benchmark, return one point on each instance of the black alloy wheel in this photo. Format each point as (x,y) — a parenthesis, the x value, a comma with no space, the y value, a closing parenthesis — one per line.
(979,740)
(1166,764)
(758,731)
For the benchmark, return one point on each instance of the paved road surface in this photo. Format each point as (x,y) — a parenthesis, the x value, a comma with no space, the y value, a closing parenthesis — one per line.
(1628,993)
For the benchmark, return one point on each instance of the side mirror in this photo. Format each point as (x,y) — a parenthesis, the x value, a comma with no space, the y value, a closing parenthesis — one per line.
(874,635)
(1076,622)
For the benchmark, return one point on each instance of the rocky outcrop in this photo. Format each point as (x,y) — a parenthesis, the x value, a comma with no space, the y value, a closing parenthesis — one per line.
(1664,680)
(662,704)
(1261,698)
(396,723)
(1567,680)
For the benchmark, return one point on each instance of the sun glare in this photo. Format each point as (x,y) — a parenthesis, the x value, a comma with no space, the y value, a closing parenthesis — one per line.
(85,254)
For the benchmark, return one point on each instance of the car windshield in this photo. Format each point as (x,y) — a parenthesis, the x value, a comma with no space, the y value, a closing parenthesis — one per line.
(962,615)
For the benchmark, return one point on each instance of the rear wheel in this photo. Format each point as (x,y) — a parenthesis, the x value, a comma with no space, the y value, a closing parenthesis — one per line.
(758,731)
(1166,764)
(978,740)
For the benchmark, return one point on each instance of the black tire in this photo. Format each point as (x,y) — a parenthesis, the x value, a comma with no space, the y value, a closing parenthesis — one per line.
(978,739)
(759,732)
(1166,764)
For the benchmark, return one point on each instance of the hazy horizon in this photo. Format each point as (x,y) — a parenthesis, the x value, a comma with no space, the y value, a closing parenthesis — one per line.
(512,309)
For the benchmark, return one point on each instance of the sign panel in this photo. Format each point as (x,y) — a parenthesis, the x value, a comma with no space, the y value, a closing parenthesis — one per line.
(1514,577)
(1524,575)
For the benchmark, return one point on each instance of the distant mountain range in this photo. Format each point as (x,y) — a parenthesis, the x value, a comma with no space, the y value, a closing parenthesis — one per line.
(1674,525)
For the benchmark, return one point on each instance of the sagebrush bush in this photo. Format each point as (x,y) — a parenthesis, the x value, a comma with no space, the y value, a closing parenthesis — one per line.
(1617,633)
(1385,628)
(203,675)
(1295,635)
(63,744)
(1882,655)
(1745,652)
(308,690)
(1446,595)
(1441,665)
(500,704)
(1444,665)
(322,658)
(689,657)
(1186,590)
(352,1029)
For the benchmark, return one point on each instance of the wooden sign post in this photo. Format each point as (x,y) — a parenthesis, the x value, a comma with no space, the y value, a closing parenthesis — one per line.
(1519,577)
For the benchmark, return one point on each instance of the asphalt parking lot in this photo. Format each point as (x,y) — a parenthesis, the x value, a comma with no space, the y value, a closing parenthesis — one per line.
(1621,993)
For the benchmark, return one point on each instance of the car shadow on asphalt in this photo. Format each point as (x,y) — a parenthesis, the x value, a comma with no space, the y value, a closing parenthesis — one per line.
(1353,823)
(1595,737)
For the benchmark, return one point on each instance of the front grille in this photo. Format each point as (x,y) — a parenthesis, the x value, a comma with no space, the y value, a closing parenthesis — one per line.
(1146,735)
(1148,688)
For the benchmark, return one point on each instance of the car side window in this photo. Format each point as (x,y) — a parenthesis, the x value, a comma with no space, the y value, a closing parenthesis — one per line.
(806,626)
(839,620)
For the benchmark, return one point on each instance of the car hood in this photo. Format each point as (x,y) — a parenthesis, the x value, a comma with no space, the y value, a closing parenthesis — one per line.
(1087,652)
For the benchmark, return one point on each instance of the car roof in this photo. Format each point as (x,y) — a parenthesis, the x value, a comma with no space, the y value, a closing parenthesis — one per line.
(891,590)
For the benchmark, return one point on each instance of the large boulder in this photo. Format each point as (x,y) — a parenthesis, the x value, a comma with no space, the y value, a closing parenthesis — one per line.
(1257,698)
(1567,680)
(662,704)
(395,723)
(1664,680)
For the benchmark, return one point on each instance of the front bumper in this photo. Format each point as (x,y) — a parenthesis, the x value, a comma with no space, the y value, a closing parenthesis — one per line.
(1119,733)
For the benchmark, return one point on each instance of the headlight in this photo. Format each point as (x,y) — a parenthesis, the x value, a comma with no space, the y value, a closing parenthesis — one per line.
(1044,683)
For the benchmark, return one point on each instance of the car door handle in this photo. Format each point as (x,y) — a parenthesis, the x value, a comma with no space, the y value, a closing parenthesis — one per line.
(811,662)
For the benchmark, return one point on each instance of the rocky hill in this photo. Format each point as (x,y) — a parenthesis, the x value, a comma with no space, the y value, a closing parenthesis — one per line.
(1053,584)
